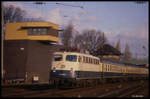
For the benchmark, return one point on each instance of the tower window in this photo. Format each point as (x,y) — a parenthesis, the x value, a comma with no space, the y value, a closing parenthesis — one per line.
(38,31)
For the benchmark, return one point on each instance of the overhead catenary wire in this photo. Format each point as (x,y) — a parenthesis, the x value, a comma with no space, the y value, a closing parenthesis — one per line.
(70,5)
(42,3)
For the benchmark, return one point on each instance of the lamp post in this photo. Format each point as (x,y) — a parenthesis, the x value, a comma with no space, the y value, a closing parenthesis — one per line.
(2,46)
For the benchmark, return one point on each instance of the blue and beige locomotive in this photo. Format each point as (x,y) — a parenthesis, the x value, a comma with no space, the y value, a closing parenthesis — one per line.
(79,68)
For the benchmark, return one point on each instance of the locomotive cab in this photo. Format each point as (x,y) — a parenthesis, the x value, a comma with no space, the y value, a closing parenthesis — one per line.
(63,65)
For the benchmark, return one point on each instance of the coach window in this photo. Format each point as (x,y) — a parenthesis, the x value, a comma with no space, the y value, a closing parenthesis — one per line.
(106,67)
(72,58)
(110,67)
(83,59)
(93,61)
(79,59)
(86,59)
(90,60)
(96,61)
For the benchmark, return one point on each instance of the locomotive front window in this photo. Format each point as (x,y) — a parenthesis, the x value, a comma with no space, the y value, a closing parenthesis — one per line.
(71,58)
(57,57)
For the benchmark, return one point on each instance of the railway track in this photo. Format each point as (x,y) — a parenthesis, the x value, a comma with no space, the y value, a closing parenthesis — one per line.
(130,91)
(121,92)
(106,90)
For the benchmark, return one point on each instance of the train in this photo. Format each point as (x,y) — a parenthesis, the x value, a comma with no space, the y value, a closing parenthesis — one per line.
(80,69)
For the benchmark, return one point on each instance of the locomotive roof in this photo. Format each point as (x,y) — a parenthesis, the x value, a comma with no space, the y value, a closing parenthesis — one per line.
(121,64)
(77,53)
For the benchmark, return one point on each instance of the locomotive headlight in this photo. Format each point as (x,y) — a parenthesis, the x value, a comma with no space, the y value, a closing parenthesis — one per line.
(71,69)
(62,66)
(54,69)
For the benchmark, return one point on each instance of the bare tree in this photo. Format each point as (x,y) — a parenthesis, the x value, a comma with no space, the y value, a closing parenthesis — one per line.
(13,14)
(90,40)
(33,20)
(66,35)
(127,53)
(76,40)
(118,46)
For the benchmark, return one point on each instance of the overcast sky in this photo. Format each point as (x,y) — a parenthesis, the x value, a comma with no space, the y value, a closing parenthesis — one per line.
(119,20)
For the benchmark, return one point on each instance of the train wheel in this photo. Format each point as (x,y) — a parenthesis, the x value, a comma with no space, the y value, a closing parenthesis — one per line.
(56,83)
(103,81)
(78,84)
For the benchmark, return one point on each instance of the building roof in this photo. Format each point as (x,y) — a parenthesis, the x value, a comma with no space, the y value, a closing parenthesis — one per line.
(19,31)
(38,24)
(108,50)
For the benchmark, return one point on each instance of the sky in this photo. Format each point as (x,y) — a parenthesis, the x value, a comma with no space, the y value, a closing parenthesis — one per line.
(124,20)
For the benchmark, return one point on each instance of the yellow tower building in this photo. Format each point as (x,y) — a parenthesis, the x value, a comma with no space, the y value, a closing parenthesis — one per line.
(32,31)
(28,50)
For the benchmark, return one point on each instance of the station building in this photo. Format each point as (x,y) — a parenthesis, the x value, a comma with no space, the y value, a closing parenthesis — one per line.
(109,52)
(28,50)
